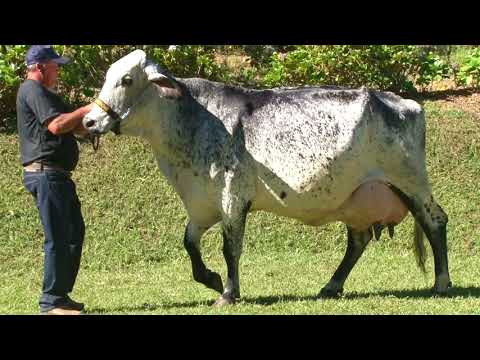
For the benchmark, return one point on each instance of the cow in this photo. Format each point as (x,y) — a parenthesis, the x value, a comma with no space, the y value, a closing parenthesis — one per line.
(316,154)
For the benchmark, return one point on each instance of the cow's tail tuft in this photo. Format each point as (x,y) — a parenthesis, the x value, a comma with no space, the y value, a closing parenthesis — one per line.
(419,246)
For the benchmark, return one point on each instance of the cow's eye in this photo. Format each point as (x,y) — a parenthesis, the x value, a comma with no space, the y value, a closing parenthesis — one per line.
(127,80)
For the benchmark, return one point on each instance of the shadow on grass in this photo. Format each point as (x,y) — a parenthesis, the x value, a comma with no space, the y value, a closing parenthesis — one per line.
(443,94)
(464,292)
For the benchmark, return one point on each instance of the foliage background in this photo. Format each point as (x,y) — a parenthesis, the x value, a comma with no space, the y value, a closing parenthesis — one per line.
(399,68)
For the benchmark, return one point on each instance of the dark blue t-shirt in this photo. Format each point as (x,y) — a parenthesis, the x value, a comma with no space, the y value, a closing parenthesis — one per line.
(35,105)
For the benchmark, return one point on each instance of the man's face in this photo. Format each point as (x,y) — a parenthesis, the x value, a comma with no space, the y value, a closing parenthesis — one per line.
(50,74)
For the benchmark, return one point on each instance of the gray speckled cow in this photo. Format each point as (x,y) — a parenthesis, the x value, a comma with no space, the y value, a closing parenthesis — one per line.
(316,154)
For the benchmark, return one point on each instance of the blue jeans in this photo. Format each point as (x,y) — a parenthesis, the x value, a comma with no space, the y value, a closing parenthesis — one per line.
(64,229)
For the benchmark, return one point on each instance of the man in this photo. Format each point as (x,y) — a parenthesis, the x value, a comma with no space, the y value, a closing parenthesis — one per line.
(49,154)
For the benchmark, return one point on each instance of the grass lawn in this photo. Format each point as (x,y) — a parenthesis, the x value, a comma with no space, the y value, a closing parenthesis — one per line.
(134,261)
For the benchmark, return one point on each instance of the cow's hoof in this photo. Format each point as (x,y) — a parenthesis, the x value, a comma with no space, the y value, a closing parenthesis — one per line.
(214,281)
(224,300)
(330,293)
(441,290)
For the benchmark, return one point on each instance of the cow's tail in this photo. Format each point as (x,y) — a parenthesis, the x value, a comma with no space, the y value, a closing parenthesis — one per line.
(419,246)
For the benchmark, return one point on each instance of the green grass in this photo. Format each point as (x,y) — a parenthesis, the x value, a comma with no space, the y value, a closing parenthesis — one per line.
(134,261)
(384,282)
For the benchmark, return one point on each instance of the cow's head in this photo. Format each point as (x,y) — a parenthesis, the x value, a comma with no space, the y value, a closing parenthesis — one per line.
(125,87)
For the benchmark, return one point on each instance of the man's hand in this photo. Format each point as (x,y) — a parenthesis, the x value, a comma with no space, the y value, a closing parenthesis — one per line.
(80,130)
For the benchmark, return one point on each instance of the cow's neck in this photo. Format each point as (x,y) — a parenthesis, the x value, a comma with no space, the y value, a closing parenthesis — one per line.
(167,125)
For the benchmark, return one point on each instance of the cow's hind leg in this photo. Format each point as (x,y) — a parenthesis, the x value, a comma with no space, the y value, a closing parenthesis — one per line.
(435,227)
(357,241)
(191,241)
(433,221)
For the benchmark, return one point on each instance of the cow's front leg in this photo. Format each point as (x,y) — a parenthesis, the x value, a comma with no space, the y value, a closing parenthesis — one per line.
(191,241)
(357,241)
(233,232)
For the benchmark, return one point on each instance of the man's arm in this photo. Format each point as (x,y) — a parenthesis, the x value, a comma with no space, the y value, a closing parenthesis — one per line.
(68,122)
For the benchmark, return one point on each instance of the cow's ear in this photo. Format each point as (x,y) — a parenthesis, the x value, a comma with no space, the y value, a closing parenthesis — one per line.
(166,85)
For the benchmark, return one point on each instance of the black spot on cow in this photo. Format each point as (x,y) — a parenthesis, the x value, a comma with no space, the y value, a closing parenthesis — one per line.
(249,108)
(283,195)
(336,130)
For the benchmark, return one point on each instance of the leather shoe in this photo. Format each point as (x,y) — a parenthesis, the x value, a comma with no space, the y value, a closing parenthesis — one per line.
(72,304)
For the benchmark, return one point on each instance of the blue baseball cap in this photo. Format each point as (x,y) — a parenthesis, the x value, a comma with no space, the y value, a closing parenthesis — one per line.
(41,54)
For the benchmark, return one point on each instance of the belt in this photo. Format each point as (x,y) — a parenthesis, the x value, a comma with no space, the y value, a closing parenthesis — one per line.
(39,167)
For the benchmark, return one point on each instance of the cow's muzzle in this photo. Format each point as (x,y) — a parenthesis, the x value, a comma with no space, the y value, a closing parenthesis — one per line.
(113,114)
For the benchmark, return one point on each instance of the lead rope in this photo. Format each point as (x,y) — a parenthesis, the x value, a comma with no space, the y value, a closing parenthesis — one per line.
(92,139)
(95,141)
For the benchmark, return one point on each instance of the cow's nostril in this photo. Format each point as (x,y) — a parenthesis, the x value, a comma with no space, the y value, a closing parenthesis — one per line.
(90,123)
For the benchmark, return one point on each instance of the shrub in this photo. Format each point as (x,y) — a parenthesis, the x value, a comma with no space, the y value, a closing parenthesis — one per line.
(398,68)
(469,72)
(431,67)
(12,70)
(395,68)
(189,61)
(82,78)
